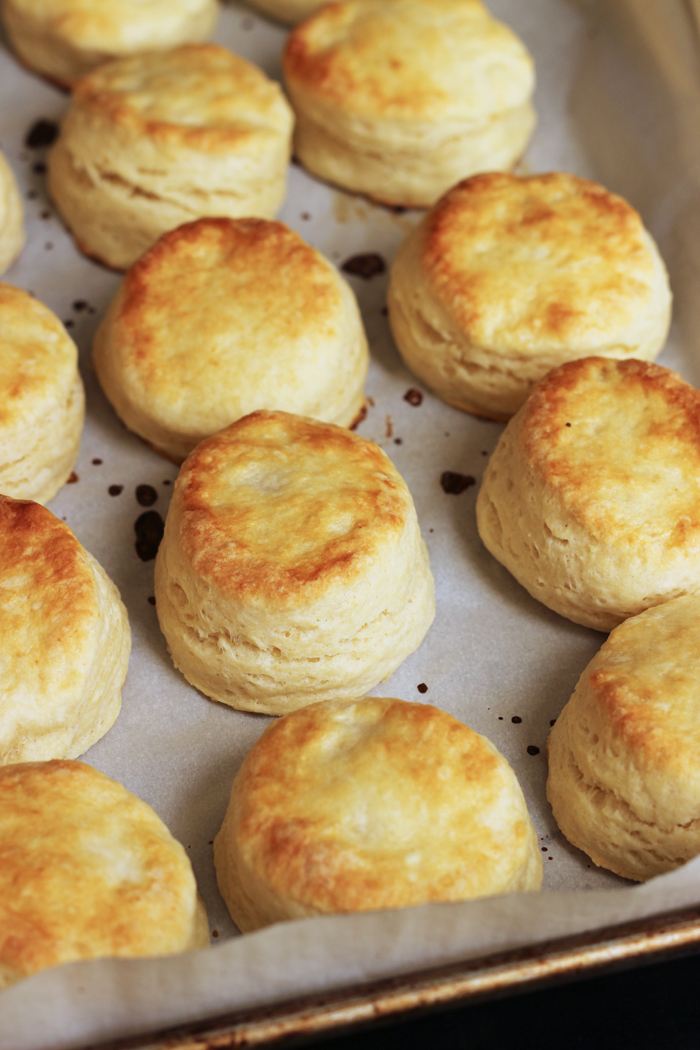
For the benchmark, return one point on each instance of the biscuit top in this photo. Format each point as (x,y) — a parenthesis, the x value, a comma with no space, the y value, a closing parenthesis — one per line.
(38,360)
(102,26)
(618,443)
(199,96)
(277,506)
(410,60)
(550,260)
(86,870)
(377,803)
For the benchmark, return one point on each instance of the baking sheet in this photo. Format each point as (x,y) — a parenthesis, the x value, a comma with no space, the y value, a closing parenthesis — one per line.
(618,99)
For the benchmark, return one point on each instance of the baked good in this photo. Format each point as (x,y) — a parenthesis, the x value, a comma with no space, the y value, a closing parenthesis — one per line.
(292,566)
(624,781)
(64,639)
(11,217)
(157,140)
(288,11)
(400,99)
(65,39)
(224,316)
(41,397)
(88,870)
(508,277)
(367,804)
(592,497)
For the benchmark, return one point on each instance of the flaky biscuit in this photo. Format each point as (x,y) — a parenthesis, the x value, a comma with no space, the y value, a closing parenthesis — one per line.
(65,39)
(225,316)
(292,565)
(592,497)
(42,402)
(64,639)
(399,100)
(624,779)
(11,217)
(367,804)
(151,142)
(88,870)
(508,277)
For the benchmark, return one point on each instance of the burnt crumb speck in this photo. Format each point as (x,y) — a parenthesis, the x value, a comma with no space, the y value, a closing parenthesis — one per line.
(533,749)
(552,721)
(48,246)
(361,416)
(42,133)
(149,528)
(516,719)
(366,265)
(422,688)
(115,490)
(453,484)
(500,718)
(544,848)
(151,599)
(215,933)
(398,209)
(69,323)
(97,462)
(484,453)
(39,168)
(167,481)
(46,214)
(146,495)
(568,424)
(398,441)
(73,478)
(305,216)
(79,305)
(414,397)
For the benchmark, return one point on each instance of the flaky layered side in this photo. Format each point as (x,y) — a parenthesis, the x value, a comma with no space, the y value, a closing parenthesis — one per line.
(11,217)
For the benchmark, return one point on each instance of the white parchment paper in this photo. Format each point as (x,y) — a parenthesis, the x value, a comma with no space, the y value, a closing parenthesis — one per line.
(618,99)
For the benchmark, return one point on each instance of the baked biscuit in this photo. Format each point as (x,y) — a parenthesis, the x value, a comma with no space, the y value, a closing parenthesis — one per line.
(64,639)
(42,402)
(367,804)
(224,316)
(288,11)
(624,781)
(592,497)
(11,217)
(509,277)
(65,39)
(292,565)
(399,100)
(151,142)
(88,870)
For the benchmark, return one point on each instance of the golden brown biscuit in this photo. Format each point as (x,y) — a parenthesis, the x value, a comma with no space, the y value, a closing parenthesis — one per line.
(65,39)
(151,142)
(224,316)
(592,497)
(367,804)
(399,100)
(624,779)
(88,870)
(11,217)
(292,565)
(508,277)
(64,639)
(42,402)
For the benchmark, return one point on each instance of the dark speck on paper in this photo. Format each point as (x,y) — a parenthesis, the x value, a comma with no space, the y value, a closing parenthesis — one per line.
(533,750)
(454,484)
(422,688)
(367,265)
(516,719)
(146,495)
(41,133)
(73,478)
(149,528)
(414,397)
(115,490)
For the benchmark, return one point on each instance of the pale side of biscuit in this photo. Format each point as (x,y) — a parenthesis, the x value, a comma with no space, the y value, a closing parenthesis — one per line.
(288,11)
(225,316)
(292,565)
(508,277)
(88,871)
(42,407)
(152,142)
(592,497)
(11,217)
(624,780)
(399,100)
(66,39)
(369,804)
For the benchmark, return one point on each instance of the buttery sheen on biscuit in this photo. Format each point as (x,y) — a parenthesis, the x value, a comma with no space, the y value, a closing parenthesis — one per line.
(151,142)
(64,639)
(400,99)
(65,39)
(369,804)
(292,566)
(225,316)
(592,497)
(508,277)
(88,870)
(624,778)
(42,402)
(11,217)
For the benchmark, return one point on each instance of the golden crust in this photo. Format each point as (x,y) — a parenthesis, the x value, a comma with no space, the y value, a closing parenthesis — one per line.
(86,870)
(374,803)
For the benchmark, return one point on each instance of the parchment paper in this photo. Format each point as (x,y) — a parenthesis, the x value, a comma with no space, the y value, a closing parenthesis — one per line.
(618,99)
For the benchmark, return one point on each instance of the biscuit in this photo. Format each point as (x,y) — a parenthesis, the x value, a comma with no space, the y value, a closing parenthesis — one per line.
(401,99)
(64,639)
(592,497)
(367,804)
(66,39)
(224,316)
(151,142)
(88,870)
(42,402)
(624,781)
(11,217)
(292,566)
(288,11)
(508,277)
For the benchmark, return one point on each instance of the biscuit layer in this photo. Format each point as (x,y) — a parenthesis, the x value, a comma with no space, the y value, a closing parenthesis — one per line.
(11,217)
